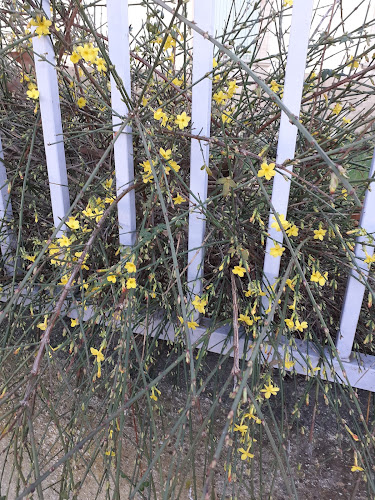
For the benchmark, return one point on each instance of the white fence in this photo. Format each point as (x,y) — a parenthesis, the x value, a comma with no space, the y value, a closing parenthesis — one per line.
(342,367)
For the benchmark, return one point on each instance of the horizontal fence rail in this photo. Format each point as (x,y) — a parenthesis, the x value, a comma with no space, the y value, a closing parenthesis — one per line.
(359,372)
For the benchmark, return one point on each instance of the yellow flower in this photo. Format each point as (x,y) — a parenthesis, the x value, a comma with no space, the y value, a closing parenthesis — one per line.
(111,278)
(199,304)
(284,223)
(192,324)
(245,453)
(241,428)
(42,25)
(88,52)
(174,165)
(147,178)
(288,3)
(99,358)
(239,270)
(24,77)
(144,101)
(177,82)
(356,468)
(289,323)
(290,284)
(270,390)
(232,86)
(292,231)
(31,258)
(225,117)
(288,363)
(337,109)
(108,183)
(301,326)
(220,97)
(214,63)
(245,319)
(182,120)
(251,415)
(81,103)
(353,63)
(277,250)
(159,114)
(72,223)
(73,322)
(268,171)
(64,241)
(65,279)
(178,199)
(319,278)
(319,234)
(100,64)
(75,57)
(274,86)
(33,93)
(88,212)
(346,120)
(166,154)
(43,326)
(369,258)
(98,214)
(130,267)
(131,283)
(53,250)
(169,42)
(146,166)
(153,395)
(109,199)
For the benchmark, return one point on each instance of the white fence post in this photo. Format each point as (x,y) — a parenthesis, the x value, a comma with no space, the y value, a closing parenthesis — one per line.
(355,288)
(293,87)
(201,119)
(6,215)
(118,41)
(46,76)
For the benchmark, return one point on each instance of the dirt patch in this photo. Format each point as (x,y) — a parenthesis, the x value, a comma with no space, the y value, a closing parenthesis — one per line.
(320,463)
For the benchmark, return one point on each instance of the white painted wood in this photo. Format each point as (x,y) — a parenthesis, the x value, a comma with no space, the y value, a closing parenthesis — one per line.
(356,288)
(201,118)
(293,87)
(306,356)
(118,41)
(46,76)
(6,215)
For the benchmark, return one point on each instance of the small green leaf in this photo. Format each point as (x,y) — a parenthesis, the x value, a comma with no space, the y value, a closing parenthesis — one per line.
(227,183)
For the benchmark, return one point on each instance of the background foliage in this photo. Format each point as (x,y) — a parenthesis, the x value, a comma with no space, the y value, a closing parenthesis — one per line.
(103,406)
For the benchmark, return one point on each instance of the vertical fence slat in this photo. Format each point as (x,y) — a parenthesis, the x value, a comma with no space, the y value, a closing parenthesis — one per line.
(293,87)
(118,41)
(201,118)
(355,289)
(6,215)
(46,76)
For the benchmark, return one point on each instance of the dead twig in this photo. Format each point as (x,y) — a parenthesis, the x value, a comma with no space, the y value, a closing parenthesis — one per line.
(236,359)
(57,310)
(348,79)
